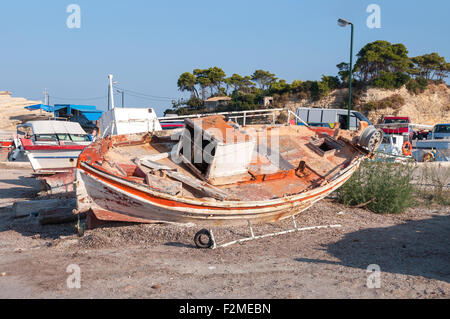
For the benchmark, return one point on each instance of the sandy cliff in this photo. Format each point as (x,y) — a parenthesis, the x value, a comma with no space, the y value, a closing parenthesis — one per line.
(13,112)
(430,107)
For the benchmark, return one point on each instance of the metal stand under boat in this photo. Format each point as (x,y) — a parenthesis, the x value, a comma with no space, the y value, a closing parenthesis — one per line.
(204,239)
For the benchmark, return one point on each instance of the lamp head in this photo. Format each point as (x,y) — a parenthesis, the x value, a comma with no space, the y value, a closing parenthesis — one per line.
(343,22)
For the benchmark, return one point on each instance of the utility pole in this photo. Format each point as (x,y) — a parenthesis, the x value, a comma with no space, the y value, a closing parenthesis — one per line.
(45,97)
(45,100)
(123,97)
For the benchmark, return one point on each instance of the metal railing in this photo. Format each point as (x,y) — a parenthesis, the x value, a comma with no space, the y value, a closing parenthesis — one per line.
(245,115)
(404,125)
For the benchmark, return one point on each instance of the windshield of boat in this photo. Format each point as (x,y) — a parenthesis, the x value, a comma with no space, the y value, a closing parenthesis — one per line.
(62,138)
(80,138)
(46,138)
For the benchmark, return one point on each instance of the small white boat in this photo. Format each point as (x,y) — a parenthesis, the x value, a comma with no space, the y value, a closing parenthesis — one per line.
(50,145)
(395,148)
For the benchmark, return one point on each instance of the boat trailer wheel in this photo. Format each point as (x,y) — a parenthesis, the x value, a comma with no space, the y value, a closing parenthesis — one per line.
(203,239)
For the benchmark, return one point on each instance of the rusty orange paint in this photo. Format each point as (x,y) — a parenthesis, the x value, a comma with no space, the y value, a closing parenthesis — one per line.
(174,203)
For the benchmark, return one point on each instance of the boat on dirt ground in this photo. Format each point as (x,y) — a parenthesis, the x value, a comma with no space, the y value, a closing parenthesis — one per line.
(50,146)
(217,173)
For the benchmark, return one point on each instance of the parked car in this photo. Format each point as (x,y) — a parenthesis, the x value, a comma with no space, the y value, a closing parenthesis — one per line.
(440,132)
(330,117)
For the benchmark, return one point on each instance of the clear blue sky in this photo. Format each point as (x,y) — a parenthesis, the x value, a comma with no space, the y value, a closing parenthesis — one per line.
(147,44)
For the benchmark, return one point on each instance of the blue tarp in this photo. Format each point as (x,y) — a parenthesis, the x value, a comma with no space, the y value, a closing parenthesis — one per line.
(46,108)
(89,111)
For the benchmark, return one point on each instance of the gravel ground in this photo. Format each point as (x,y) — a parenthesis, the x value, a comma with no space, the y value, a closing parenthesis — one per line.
(160,261)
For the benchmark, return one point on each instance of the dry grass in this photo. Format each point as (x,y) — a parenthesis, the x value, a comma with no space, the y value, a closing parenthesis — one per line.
(434,185)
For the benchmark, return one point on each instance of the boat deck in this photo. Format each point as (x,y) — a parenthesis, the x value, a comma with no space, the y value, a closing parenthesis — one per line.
(274,171)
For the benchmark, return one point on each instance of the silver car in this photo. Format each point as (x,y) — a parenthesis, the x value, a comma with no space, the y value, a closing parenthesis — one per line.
(440,132)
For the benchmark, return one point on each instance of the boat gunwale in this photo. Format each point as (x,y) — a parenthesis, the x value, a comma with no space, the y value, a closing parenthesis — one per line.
(217,205)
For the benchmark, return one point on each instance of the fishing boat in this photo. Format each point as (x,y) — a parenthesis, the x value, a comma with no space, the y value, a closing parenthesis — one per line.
(217,173)
(50,145)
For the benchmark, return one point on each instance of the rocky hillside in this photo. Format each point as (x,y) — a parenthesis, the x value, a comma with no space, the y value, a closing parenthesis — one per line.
(13,112)
(430,107)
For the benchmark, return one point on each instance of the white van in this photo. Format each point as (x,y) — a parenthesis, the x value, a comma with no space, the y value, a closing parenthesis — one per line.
(330,117)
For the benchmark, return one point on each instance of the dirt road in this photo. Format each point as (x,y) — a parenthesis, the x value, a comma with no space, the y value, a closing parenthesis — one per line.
(157,261)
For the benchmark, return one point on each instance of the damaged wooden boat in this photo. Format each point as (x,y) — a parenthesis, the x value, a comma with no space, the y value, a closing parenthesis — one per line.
(216,173)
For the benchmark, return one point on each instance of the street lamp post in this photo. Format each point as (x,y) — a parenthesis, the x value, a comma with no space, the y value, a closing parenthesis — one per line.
(344,23)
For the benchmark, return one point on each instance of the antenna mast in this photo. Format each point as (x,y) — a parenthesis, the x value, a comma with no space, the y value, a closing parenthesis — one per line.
(110,92)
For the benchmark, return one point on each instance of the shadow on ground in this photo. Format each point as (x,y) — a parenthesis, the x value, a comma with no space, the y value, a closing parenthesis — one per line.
(416,248)
(26,187)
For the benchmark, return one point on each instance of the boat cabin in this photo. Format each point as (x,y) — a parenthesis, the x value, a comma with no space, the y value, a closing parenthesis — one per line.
(214,149)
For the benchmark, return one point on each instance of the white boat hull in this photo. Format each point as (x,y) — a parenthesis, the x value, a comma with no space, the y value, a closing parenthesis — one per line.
(44,160)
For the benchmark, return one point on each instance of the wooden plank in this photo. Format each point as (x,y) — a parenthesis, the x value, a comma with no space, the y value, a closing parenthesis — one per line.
(24,209)
(163,185)
(154,157)
(59,216)
(275,157)
(204,187)
(155,166)
(192,167)
(117,166)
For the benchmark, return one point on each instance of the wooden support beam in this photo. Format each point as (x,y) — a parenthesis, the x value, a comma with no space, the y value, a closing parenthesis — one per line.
(155,166)
(59,216)
(163,185)
(210,191)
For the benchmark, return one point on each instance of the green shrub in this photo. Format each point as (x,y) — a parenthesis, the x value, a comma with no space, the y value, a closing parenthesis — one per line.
(391,80)
(395,102)
(417,85)
(319,90)
(384,187)
(195,103)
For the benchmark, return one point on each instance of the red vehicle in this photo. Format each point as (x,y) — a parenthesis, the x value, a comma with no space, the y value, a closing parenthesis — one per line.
(6,143)
(398,125)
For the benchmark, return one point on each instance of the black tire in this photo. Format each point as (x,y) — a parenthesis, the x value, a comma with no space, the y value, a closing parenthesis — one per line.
(200,242)
(10,153)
